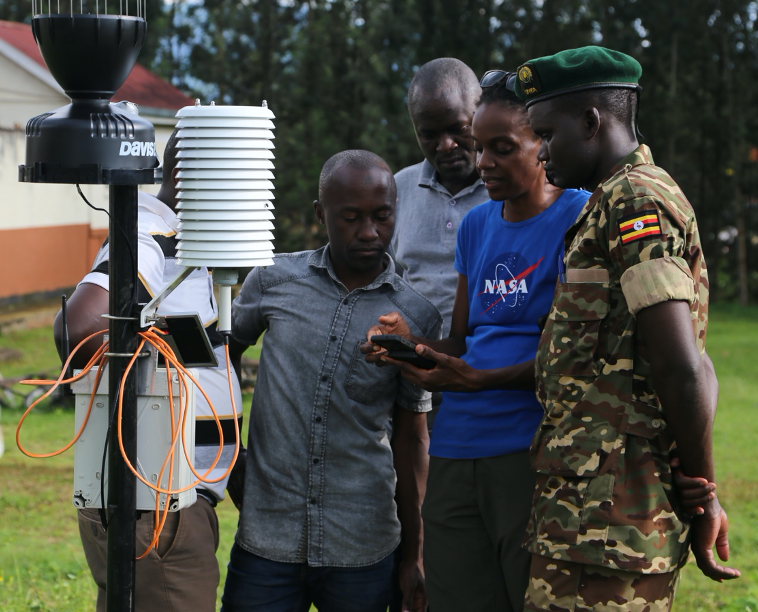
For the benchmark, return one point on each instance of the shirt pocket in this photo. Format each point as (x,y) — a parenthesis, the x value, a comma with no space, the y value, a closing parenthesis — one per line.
(569,341)
(573,495)
(365,381)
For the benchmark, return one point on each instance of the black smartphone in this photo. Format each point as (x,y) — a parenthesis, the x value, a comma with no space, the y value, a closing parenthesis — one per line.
(402,349)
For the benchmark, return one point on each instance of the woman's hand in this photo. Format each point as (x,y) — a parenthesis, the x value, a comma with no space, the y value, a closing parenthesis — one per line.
(450,373)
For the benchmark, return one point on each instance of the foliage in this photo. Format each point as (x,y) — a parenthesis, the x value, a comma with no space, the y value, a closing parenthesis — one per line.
(11,10)
(335,73)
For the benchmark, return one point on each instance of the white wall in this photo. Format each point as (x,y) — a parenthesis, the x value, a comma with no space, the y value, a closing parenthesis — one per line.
(24,205)
(23,95)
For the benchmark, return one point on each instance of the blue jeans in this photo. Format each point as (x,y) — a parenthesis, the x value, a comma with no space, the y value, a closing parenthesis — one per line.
(255,584)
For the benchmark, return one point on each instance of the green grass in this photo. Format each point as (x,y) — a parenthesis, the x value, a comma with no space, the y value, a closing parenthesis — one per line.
(732,337)
(42,566)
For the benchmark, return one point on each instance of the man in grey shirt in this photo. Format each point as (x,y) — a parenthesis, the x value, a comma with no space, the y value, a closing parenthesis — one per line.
(318,522)
(435,195)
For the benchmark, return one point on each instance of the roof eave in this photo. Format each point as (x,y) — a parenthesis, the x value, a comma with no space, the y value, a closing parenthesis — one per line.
(159,116)
(32,67)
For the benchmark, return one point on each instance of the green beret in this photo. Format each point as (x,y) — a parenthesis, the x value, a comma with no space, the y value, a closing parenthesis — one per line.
(575,70)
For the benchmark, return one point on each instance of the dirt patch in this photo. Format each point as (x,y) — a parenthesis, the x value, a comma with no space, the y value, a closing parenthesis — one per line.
(9,354)
(13,318)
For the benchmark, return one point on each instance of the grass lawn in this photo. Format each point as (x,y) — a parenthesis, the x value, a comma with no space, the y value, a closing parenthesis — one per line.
(42,566)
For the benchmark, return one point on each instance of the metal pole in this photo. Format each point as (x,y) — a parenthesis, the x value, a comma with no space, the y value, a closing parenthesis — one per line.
(122,491)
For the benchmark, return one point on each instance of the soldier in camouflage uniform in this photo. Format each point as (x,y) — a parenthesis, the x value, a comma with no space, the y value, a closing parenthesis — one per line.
(622,377)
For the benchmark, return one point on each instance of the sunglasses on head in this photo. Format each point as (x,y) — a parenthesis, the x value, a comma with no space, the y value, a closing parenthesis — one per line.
(493,77)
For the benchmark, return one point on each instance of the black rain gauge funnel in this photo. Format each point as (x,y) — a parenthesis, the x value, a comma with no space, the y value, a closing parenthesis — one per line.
(90,53)
(90,140)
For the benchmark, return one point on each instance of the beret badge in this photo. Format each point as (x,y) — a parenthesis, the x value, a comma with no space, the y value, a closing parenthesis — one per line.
(525,74)
(527,80)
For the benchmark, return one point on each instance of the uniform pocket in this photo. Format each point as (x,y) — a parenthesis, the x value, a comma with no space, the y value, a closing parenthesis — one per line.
(367,381)
(646,514)
(646,421)
(573,495)
(557,508)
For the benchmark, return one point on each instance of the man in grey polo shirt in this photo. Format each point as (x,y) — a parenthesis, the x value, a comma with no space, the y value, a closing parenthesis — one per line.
(318,521)
(435,195)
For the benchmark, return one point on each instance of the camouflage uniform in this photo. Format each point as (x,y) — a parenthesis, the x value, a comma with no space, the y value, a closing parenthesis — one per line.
(604,492)
(561,586)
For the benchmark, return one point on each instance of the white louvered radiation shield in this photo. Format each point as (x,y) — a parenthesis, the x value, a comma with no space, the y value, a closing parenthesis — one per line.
(225,189)
(224,157)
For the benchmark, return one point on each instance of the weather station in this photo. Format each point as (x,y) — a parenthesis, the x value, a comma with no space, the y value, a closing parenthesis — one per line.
(134,407)
(93,141)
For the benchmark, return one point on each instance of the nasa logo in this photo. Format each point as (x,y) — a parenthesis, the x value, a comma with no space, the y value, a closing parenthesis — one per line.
(503,288)
(506,290)
(137,149)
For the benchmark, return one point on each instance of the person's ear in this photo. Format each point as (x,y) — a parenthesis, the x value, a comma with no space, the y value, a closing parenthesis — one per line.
(319,211)
(592,121)
(175,176)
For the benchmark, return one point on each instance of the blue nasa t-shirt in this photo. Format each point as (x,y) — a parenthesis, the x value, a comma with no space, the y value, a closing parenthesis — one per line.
(511,270)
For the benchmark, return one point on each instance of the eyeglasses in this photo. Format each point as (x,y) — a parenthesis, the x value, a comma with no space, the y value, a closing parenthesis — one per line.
(493,77)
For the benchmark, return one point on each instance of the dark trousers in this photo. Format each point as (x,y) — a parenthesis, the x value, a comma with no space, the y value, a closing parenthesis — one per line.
(255,584)
(475,515)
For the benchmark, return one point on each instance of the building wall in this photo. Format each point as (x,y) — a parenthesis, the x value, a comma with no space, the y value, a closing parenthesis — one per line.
(24,96)
(48,235)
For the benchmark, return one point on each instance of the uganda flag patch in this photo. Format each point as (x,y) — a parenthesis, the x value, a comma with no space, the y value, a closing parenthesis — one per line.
(636,226)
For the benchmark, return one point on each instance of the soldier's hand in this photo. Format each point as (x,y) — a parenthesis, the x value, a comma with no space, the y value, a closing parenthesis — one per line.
(693,493)
(709,529)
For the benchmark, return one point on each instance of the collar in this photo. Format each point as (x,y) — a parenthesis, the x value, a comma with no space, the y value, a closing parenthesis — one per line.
(150,203)
(321,258)
(639,157)
(428,180)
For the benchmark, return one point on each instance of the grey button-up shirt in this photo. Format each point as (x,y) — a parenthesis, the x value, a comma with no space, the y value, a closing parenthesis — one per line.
(426,227)
(320,481)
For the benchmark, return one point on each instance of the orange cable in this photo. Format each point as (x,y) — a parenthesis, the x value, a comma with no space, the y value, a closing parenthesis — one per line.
(151,336)
(170,357)
(97,355)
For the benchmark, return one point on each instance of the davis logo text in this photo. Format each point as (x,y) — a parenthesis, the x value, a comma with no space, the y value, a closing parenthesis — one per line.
(137,149)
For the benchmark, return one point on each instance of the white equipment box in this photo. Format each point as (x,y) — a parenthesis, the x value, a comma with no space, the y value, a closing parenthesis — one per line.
(153,437)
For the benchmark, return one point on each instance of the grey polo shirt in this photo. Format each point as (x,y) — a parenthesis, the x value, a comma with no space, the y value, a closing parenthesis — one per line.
(320,481)
(426,227)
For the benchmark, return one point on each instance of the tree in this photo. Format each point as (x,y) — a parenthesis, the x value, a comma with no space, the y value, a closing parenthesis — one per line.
(336,72)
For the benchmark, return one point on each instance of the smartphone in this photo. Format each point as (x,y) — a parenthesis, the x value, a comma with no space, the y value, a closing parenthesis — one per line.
(402,349)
